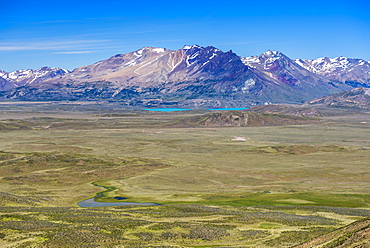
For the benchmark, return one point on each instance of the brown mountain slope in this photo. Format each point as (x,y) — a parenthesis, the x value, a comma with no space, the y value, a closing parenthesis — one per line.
(356,98)
(355,235)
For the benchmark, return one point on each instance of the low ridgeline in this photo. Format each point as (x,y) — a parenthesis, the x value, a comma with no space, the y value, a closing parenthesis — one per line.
(241,119)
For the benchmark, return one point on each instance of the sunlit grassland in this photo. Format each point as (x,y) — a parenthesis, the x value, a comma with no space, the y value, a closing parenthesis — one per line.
(281,186)
(276,163)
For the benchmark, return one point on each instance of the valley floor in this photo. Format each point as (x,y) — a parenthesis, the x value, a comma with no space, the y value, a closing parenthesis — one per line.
(271,186)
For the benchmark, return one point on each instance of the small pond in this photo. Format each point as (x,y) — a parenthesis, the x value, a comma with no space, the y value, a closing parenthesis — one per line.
(90,203)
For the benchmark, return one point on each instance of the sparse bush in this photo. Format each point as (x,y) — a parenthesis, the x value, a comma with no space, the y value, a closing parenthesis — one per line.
(288,219)
(289,238)
(146,236)
(254,234)
(206,233)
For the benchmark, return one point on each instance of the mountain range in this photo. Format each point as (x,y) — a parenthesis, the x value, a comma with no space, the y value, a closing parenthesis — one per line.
(192,76)
(26,77)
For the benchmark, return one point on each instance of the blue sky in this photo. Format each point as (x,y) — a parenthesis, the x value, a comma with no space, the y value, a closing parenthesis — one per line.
(70,34)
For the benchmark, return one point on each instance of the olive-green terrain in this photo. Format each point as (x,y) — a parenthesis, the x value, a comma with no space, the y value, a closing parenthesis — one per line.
(278,182)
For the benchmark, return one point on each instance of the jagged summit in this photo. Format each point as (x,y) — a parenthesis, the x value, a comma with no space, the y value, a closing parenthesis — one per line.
(266,57)
(272,53)
(187,47)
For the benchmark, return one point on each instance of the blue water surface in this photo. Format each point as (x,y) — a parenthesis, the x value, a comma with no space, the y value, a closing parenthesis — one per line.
(120,198)
(91,203)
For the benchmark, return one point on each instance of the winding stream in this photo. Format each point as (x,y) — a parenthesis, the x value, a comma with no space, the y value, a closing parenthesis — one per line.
(91,203)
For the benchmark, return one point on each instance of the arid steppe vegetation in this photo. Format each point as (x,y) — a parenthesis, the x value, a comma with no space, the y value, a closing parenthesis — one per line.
(229,186)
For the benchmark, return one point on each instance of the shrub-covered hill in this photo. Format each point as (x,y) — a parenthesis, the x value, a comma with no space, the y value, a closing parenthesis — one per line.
(287,109)
(356,234)
(241,119)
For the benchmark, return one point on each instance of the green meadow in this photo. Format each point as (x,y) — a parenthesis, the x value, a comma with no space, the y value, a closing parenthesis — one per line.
(272,186)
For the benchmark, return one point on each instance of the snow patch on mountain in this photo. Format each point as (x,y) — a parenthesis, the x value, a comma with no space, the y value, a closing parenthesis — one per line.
(250,61)
(186,47)
(159,50)
(367,92)
(248,84)
(213,55)
(131,62)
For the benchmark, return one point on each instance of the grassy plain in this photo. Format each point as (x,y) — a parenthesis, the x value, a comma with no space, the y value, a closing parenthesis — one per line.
(275,186)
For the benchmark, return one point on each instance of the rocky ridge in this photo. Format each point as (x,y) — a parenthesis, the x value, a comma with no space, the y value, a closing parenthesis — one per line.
(242,119)
(356,98)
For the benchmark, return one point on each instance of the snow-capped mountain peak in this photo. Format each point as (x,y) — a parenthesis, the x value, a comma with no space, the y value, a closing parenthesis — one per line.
(340,68)
(265,58)
(29,76)
(271,53)
(326,65)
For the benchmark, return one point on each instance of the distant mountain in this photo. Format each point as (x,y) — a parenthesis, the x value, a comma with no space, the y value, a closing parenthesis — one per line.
(351,72)
(25,77)
(283,69)
(355,98)
(303,83)
(193,76)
